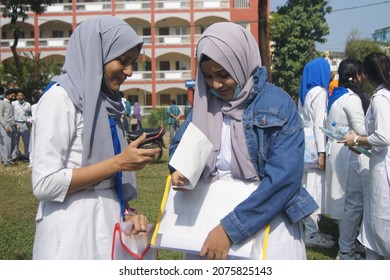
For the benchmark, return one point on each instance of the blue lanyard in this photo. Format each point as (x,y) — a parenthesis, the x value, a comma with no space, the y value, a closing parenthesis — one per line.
(118,176)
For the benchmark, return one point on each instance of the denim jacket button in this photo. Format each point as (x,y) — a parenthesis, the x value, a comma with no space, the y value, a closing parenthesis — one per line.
(248,126)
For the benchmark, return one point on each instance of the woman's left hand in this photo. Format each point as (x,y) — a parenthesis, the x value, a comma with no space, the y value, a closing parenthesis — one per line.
(140,223)
(217,244)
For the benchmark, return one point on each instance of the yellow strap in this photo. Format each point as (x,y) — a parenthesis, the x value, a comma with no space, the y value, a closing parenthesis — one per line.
(265,242)
(162,206)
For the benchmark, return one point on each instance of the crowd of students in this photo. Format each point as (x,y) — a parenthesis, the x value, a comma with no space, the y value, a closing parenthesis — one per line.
(350,186)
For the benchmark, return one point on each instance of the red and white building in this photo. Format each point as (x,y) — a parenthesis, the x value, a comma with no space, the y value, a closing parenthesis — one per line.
(169,28)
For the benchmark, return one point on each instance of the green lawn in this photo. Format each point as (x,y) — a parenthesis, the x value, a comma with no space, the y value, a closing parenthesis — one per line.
(18,209)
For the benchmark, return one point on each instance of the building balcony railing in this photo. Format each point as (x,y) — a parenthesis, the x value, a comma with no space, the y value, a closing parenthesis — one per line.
(160,75)
(63,42)
(42,43)
(137,6)
(173,39)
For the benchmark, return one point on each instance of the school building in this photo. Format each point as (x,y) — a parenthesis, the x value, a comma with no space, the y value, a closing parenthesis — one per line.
(170,30)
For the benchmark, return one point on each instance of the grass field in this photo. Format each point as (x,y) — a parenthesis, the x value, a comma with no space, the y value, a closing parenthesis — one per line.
(18,209)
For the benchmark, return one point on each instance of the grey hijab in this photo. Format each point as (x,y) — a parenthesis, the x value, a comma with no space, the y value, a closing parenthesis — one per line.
(236,50)
(94,43)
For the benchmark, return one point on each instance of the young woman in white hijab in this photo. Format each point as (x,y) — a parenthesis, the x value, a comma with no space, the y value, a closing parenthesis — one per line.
(80,179)
(255,131)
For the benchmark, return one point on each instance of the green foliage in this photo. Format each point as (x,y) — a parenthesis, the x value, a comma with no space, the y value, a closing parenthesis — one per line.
(295,29)
(358,49)
(36,74)
(16,10)
(156,118)
(19,9)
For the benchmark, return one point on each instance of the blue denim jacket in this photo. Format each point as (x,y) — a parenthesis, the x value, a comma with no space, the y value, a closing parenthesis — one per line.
(275,139)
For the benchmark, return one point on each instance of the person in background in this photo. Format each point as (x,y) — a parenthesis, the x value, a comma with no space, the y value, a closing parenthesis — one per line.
(374,233)
(255,131)
(346,172)
(187,109)
(2,92)
(137,116)
(22,110)
(8,127)
(313,94)
(126,113)
(82,165)
(35,99)
(333,83)
(174,116)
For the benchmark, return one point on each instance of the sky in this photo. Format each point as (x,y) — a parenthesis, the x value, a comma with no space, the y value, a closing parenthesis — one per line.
(365,16)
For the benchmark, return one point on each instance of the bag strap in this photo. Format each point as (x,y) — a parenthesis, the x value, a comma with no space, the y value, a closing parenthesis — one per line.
(118,176)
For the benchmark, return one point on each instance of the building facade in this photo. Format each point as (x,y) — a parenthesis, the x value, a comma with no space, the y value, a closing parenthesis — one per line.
(170,30)
(382,35)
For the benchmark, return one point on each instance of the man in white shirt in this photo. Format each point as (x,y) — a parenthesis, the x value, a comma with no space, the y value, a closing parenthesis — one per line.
(22,111)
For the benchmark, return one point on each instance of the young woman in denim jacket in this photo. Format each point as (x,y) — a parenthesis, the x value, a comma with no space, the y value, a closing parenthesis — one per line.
(257,137)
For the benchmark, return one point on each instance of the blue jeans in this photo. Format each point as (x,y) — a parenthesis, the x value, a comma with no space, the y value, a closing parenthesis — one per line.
(172,131)
(22,131)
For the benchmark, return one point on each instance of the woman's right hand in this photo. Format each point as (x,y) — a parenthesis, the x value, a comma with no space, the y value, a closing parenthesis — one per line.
(134,158)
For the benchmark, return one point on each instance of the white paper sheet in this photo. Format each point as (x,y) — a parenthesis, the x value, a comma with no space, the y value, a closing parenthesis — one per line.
(189,216)
(191,155)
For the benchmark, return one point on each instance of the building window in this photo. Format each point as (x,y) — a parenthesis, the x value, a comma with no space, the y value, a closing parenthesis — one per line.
(163,31)
(242,3)
(181,99)
(165,99)
(57,34)
(132,99)
(148,100)
(164,66)
(147,66)
(244,23)
(181,65)
(181,30)
(146,31)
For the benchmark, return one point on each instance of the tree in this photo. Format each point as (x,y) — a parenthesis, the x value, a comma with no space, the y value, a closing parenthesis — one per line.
(36,73)
(296,27)
(358,48)
(15,9)
(264,34)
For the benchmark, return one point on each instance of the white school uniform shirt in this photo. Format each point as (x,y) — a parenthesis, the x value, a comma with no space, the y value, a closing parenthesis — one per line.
(68,226)
(344,166)
(313,115)
(376,218)
(22,111)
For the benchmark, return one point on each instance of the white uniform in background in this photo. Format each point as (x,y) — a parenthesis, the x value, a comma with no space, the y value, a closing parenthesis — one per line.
(313,115)
(347,174)
(376,219)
